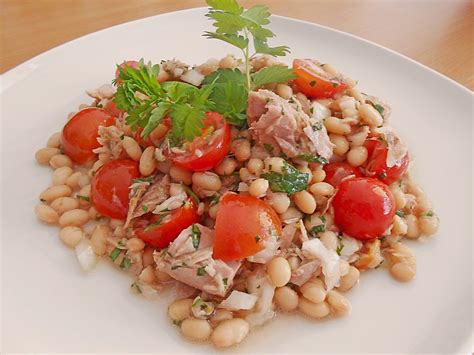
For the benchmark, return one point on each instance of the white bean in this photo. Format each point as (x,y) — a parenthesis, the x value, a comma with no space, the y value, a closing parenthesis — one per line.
(196,329)
(349,280)
(98,238)
(132,148)
(60,175)
(181,309)
(74,217)
(46,214)
(54,192)
(279,271)
(60,160)
(313,310)
(258,187)
(207,180)
(340,305)
(54,140)
(357,155)
(279,201)
(314,291)
(305,202)
(64,203)
(286,298)
(181,175)
(44,155)
(71,236)
(370,115)
(147,161)
(230,332)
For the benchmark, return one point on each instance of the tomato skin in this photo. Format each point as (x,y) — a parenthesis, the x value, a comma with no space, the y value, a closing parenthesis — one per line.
(363,208)
(376,163)
(110,187)
(80,134)
(212,152)
(336,172)
(112,109)
(313,85)
(163,234)
(238,223)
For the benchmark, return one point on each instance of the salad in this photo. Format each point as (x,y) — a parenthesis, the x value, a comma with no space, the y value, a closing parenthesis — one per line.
(248,186)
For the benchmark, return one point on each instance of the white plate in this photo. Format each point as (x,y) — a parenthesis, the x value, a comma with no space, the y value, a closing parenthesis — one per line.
(50,305)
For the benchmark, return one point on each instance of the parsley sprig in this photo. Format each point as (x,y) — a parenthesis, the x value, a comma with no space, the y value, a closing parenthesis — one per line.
(147,102)
(237,26)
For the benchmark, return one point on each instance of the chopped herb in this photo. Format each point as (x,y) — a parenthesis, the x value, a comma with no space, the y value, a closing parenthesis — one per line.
(291,180)
(214,200)
(114,254)
(268,147)
(312,158)
(383,239)
(83,198)
(291,101)
(191,194)
(430,214)
(318,229)
(165,252)
(400,213)
(197,301)
(225,281)
(312,83)
(42,200)
(136,287)
(259,286)
(121,244)
(177,322)
(125,263)
(291,285)
(195,236)
(155,223)
(201,271)
(381,138)
(317,126)
(380,109)
(383,175)
(257,239)
(380,264)
(339,249)
(145,208)
(176,266)
(147,179)
(323,219)
(271,74)
(335,85)
(311,111)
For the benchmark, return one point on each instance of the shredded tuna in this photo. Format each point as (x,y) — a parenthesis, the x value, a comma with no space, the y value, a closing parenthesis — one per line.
(396,149)
(283,125)
(260,286)
(314,249)
(171,203)
(156,193)
(288,233)
(111,140)
(238,300)
(195,266)
(304,272)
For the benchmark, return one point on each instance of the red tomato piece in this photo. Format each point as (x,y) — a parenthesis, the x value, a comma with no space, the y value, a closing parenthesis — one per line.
(112,109)
(376,164)
(168,226)
(363,208)
(80,134)
(314,82)
(242,223)
(336,172)
(110,187)
(208,150)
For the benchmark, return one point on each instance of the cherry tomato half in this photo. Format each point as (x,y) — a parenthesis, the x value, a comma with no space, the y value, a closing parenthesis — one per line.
(208,150)
(336,172)
(314,82)
(80,134)
(363,208)
(170,226)
(243,222)
(376,164)
(110,187)
(112,109)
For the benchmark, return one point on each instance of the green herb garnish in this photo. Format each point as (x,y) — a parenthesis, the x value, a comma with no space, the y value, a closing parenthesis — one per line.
(291,180)
(400,213)
(318,229)
(146,179)
(83,198)
(115,253)
(201,271)
(225,280)
(125,263)
(237,26)
(312,158)
(195,236)
(257,239)
(339,249)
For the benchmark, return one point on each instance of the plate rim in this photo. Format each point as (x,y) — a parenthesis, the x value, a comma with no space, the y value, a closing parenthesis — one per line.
(17,73)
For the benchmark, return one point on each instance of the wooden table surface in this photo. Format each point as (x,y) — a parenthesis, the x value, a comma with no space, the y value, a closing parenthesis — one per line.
(437,33)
